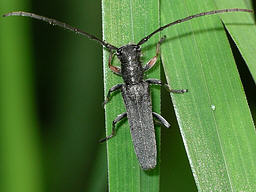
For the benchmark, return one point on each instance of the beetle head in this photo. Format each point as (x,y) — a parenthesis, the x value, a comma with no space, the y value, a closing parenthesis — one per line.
(130,52)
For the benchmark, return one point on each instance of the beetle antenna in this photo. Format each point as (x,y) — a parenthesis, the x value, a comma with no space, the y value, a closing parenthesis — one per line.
(189,18)
(63,25)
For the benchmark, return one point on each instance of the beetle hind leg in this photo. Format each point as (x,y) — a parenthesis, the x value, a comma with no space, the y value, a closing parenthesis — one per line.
(117,119)
(161,120)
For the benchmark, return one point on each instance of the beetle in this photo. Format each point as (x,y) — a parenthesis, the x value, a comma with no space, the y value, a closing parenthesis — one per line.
(135,89)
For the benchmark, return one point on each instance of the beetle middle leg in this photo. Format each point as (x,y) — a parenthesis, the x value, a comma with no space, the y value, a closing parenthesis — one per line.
(159,82)
(117,119)
(112,89)
(152,61)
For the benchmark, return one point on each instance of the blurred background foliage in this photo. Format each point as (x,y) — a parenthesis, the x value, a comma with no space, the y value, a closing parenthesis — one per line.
(51,91)
(55,78)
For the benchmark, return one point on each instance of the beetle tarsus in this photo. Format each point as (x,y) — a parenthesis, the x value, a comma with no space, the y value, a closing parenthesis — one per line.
(178,91)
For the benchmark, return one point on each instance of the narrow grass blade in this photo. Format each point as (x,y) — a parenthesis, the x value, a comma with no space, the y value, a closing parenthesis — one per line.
(214,117)
(128,21)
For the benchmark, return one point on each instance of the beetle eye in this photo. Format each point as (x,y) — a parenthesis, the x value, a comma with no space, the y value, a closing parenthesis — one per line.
(118,52)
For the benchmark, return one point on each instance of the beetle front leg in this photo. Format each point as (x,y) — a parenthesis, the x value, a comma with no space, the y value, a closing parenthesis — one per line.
(117,119)
(112,89)
(113,68)
(152,61)
(158,82)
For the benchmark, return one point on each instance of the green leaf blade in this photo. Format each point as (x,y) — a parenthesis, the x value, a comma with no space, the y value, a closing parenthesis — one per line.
(220,143)
(128,21)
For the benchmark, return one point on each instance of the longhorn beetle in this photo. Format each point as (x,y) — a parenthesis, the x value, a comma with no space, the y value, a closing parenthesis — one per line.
(135,90)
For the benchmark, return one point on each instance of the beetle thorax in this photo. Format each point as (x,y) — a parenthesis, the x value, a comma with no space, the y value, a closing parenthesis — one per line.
(131,68)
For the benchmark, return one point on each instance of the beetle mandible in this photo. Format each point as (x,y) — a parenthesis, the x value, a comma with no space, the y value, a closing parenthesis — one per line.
(135,90)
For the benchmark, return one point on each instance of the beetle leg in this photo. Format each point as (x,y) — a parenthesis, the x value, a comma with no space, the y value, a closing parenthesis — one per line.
(115,69)
(158,82)
(112,89)
(161,120)
(152,61)
(117,119)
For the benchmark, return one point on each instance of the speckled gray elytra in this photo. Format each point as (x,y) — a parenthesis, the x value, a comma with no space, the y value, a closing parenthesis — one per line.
(135,90)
